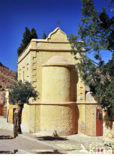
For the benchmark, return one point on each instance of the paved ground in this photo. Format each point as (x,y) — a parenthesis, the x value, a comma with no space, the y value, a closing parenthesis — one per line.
(79,144)
(28,143)
(23,143)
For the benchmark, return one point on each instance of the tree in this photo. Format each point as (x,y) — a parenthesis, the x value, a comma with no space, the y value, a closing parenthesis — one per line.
(97,34)
(44,35)
(27,36)
(20,93)
(1,64)
(33,34)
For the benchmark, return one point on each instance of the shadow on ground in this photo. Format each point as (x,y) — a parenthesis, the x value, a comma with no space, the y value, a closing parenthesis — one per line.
(9,152)
(50,152)
(51,138)
(6,137)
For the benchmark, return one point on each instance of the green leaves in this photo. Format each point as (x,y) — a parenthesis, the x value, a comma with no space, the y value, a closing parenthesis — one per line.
(27,36)
(1,64)
(21,92)
(97,33)
(96,29)
(33,34)
(88,8)
(44,35)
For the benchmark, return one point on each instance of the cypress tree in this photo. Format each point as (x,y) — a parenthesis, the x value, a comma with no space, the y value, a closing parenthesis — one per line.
(27,36)
(33,34)
(44,35)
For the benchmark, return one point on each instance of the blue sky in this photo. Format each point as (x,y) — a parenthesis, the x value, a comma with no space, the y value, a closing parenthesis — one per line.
(43,15)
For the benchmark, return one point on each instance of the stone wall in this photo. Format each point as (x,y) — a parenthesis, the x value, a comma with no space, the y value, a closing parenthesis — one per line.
(49,65)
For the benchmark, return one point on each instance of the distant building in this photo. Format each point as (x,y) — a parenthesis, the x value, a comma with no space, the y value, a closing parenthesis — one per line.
(2,102)
(62,105)
(7,78)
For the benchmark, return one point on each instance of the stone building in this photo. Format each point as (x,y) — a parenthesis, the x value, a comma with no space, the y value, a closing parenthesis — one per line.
(2,102)
(62,105)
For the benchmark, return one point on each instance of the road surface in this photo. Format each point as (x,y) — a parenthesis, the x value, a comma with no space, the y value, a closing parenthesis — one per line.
(22,144)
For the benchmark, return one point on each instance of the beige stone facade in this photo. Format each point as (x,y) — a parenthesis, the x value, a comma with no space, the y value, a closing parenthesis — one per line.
(61,106)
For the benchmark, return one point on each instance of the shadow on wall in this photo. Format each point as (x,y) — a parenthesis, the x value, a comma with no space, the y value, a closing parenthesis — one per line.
(73,94)
(77,117)
(73,84)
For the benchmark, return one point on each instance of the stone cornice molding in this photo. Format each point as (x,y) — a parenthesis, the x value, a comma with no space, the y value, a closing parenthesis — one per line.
(49,44)
(63,103)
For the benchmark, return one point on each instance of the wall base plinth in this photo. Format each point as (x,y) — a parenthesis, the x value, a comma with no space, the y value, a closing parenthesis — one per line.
(51,118)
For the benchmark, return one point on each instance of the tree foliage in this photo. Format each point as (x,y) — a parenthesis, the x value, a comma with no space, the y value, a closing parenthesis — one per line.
(97,34)
(21,92)
(44,35)
(27,36)
(33,34)
(1,64)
